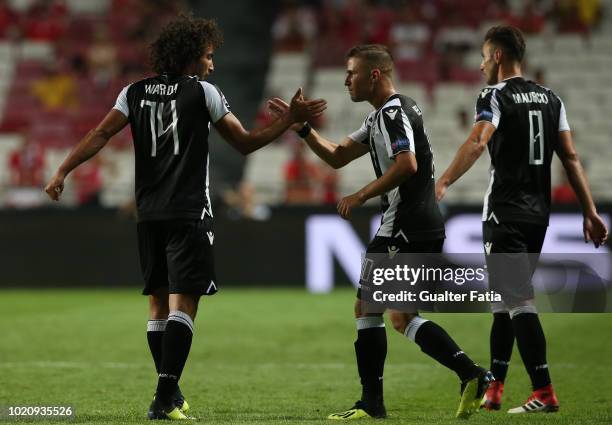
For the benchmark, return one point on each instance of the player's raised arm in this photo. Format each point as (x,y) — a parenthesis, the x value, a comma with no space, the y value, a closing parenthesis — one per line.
(245,142)
(336,155)
(594,228)
(466,156)
(90,145)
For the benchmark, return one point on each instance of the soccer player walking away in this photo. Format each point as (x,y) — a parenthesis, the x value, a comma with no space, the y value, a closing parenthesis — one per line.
(522,124)
(170,116)
(394,135)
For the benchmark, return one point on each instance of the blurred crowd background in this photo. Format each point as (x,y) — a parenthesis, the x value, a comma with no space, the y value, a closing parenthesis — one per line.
(63,63)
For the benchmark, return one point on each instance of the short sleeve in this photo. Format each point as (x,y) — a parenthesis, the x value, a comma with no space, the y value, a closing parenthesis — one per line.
(487,107)
(563,124)
(215,101)
(122,104)
(362,135)
(396,130)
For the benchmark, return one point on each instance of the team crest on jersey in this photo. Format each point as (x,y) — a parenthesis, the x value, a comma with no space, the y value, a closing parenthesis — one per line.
(484,93)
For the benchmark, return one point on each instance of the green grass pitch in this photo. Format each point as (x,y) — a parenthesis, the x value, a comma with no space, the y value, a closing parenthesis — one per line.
(265,356)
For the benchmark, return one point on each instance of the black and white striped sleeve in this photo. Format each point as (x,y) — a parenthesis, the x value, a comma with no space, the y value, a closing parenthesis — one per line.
(215,101)
(397,130)
(363,134)
(487,107)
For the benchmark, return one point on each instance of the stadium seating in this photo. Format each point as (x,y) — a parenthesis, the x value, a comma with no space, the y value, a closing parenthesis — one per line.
(575,65)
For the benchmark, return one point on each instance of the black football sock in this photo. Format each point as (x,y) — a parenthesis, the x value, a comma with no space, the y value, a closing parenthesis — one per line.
(436,343)
(531,344)
(155,335)
(371,351)
(175,347)
(501,343)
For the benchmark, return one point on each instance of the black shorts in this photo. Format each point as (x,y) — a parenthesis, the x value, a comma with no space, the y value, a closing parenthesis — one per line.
(384,245)
(512,251)
(178,255)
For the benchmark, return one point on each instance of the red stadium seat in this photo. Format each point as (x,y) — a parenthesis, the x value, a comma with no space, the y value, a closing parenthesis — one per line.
(424,71)
(462,75)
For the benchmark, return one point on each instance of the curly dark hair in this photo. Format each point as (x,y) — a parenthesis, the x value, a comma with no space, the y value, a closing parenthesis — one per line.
(182,42)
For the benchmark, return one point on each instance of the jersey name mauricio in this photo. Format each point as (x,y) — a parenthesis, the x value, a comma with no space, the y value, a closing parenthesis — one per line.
(170,119)
(409,211)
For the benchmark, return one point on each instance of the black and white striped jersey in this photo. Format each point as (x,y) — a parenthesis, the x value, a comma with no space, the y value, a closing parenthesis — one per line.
(528,119)
(170,119)
(409,211)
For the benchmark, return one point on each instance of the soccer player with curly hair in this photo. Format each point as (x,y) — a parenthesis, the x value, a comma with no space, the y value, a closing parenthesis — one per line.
(170,116)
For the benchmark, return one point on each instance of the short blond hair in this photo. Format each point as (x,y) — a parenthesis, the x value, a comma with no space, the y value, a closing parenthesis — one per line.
(376,56)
